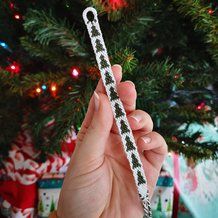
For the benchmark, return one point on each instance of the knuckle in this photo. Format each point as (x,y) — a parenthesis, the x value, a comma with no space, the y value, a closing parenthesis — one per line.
(91,128)
(147,119)
(161,141)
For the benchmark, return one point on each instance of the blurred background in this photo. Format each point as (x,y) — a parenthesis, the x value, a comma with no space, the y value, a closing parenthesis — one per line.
(168,48)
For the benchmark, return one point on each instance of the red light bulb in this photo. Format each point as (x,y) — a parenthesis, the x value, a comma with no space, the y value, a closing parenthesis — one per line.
(210,11)
(200,106)
(17,16)
(11,5)
(13,68)
(74,72)
(53,88)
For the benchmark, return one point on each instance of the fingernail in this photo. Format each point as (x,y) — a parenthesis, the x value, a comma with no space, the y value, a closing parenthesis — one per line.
(146,139)
(96,100)
(136,117)
(117,65)
(130,82)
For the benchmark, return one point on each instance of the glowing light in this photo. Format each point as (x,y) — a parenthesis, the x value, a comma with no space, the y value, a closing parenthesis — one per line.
(17,16)
(53,88)
(44,87)
(38,90)
(3,44)
(13,67)
(74,71)
(11,5)
(210,11)
(200,106)
(69,87)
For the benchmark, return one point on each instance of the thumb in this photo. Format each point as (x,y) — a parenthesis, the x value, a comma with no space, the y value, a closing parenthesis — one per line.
(94,142)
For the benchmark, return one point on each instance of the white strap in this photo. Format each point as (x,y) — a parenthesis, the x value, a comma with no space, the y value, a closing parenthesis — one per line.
(91,21)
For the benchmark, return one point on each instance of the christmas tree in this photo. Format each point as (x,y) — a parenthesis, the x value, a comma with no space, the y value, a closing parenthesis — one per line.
(169,206)
(159,205)
(40,206)
(169,49)
(129,144)
(103,62)
(124,127)
(108,78)
(135,162)
(140,178)
(94,31)
(98,45)
(113,94)
(52,207)
(118,110)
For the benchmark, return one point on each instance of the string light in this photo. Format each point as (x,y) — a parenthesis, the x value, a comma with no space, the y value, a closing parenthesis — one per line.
(13,68)
(11,5)
(3,44)
(53,88)
(69,88)
(38,90)
(210,11)
(200,106)
(74,71)
(17,16)
(44,87)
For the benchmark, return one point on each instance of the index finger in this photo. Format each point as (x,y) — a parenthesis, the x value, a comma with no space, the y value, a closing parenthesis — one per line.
(117,72)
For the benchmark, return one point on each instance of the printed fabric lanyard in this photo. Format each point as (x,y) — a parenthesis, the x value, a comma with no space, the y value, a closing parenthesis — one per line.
(128,141)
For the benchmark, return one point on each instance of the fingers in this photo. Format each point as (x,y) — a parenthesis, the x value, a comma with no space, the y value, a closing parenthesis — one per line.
(128,95)
(152,150)
(117,71)
(140,120)
(153,147)
(94,141)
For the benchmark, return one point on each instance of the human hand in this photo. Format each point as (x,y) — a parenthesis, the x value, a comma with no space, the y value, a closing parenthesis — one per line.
(99,181)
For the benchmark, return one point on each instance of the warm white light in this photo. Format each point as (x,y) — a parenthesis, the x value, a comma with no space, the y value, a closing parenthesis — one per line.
(75,72)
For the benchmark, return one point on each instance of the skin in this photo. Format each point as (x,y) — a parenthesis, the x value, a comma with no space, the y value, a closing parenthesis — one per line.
(99,182)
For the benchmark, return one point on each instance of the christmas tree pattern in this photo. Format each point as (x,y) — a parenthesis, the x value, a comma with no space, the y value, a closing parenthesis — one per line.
(94,31)
(159,206)
(169,206)
(124,127)
(113,94)
(141,197)
(135,162)
(98,46)
(118,111)
(108,78)
(52,207)
(103,62)
(129,144)
(140,178)
(41,206)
